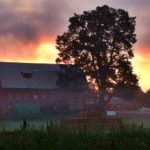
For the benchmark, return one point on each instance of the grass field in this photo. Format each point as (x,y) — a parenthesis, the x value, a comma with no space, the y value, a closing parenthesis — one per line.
(61,138)
(39,135)
(136,117)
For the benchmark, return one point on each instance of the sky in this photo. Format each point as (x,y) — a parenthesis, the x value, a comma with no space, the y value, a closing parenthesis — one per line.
(28,29)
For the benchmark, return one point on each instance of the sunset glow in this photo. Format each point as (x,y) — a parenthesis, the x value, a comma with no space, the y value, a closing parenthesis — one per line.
(46,53)
(142,68)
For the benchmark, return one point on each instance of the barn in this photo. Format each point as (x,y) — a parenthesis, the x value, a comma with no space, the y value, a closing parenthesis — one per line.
(28,86)
(119,104)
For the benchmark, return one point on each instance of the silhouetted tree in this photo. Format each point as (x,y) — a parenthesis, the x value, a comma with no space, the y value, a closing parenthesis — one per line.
(100,43)
(127,91)
(71,77)
(146,98)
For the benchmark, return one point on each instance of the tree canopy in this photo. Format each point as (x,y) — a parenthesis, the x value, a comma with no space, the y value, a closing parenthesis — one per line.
(100,43)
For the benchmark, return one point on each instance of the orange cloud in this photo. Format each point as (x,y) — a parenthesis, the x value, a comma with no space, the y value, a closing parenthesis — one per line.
(26,25)
(43,52)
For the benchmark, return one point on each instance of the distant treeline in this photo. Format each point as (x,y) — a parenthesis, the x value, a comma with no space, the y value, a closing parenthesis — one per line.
(143,98)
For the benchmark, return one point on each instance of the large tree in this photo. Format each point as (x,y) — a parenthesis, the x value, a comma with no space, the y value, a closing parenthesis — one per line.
(100,43)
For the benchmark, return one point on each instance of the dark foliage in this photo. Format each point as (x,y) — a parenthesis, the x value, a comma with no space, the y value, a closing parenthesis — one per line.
(71,77)
(143,98)
(128,92)
(100,43)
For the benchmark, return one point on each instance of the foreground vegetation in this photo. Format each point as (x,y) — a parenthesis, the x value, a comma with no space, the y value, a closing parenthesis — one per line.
(54,137)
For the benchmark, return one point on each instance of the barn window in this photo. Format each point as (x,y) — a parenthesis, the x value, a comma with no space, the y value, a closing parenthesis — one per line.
(18,96)
(26,97)
(10,96)
(90,101)
(42,97)
(26,74)
(35,97)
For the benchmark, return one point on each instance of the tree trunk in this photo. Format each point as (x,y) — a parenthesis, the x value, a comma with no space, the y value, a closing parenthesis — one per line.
(102,103)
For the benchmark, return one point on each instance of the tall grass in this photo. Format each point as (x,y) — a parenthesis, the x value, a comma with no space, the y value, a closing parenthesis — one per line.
(57,137)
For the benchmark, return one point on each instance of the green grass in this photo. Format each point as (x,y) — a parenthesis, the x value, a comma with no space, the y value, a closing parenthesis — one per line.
(56,137)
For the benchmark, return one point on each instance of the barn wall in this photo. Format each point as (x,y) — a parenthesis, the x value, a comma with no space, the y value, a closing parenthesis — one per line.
(48,100)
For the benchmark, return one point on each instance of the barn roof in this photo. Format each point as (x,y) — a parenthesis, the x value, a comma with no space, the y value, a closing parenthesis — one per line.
(119,101)
(29,66)
(29,75)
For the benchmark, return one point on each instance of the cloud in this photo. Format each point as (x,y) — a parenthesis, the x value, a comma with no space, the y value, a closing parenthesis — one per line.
(26,21)
(24,25)
(29,21)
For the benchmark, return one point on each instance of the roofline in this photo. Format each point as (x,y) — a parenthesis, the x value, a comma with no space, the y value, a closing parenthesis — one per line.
(11,62)
(34,63)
